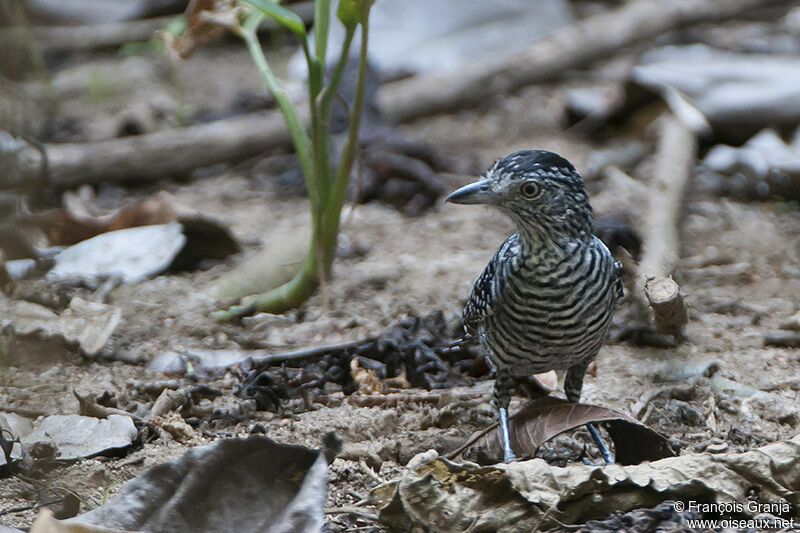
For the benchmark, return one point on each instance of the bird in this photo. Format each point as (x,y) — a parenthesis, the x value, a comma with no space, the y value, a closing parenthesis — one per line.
(546,299)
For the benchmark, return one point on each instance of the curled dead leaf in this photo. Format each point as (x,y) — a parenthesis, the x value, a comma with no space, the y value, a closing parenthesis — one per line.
(244,485)
(206,20)
(542,419)
(84,324)
(82,219)
(400,381)
(175,425)
(367,380)
(548,380)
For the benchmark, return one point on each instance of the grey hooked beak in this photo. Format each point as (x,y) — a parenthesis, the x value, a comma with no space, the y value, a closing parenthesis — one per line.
(480,192)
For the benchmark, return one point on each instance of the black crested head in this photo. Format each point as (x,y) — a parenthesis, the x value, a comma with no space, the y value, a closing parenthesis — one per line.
(543,194)
(540,165)
(527,161)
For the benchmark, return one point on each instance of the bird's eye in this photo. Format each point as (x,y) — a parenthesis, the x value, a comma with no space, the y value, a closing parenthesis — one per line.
(530,189)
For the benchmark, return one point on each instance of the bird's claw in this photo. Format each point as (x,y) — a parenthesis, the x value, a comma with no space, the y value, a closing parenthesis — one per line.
(509,457)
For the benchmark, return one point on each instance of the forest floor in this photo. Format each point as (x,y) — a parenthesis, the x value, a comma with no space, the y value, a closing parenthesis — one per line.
(740,273)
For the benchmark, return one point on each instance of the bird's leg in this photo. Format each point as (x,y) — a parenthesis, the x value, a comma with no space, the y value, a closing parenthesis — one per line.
(573,384)
(608,457)
(502,397)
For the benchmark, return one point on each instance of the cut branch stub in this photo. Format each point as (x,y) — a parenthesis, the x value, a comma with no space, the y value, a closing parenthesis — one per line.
(669,312)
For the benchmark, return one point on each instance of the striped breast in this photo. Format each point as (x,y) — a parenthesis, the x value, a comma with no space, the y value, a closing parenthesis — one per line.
(551,310)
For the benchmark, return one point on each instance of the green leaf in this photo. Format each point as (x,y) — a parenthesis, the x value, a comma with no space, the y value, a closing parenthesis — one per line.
(352,12)
(285,17)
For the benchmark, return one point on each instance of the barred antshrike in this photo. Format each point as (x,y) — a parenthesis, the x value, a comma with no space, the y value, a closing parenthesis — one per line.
(545,300)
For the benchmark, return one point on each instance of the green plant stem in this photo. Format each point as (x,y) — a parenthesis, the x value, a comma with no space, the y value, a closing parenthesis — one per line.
(322,104)
(321,170)
(326,97)
(334,205)
(322,16)
(298,132)
(325,221)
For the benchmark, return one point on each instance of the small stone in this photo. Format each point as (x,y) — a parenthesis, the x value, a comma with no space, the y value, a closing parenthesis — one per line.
(717,448)
(775,408)
(792,323)
(263,321)
(676,412)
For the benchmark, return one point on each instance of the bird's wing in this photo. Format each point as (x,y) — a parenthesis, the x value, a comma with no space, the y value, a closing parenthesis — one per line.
(489,285)
(619,291)
(616,271)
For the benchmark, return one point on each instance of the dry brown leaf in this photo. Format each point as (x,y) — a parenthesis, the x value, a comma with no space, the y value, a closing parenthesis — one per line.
(87,406)
(434,494)
(548,380)
(543,418)
(206,20)
(367,381)
(87,325)
(398,382)
(76,437)
(184,245)
(169,400)
(243,485)
(175,425)
(80,219)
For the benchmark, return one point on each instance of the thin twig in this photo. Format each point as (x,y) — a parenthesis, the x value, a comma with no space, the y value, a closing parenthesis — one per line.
(371,473)
(356,511)
(554,519)
(22,411)
(544,516)
(383,400)
(470,441)
(356,495)
(29,507)
(793,383)
(308,353)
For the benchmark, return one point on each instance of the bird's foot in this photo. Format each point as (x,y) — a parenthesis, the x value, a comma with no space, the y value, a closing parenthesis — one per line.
(509,457)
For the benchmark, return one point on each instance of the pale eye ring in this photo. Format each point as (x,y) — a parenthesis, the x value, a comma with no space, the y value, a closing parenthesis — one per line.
(530,189)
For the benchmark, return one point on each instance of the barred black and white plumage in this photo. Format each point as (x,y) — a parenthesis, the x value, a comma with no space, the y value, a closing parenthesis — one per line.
(545,300)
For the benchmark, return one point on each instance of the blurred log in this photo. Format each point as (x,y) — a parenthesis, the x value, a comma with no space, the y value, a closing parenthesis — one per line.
(82,38)
(76,38)
(87,12)
(576,46)
(140,158)
(675,162)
